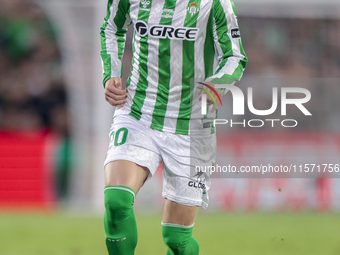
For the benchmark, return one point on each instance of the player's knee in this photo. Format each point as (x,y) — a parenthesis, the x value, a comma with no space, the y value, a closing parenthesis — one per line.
(180,240)
(118,201)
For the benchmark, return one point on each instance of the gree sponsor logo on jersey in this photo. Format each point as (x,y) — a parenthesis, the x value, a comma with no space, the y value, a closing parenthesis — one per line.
(165,31)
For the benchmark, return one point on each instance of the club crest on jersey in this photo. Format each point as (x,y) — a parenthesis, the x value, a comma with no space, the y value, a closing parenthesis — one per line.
(192,8)
(145,5)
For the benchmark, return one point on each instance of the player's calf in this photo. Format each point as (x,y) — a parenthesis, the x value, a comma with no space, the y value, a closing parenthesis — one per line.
(119,220)
(179,239)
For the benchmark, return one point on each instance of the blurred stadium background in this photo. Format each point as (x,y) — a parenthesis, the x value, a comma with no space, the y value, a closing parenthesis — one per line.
(54,125)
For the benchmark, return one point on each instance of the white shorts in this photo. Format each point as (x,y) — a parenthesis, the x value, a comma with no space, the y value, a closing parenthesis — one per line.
(181,154)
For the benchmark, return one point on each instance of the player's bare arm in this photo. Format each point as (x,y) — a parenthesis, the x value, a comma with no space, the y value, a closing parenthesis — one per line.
(114,92)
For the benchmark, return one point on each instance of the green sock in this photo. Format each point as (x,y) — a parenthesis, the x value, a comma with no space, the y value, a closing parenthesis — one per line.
(119,220)
(179,239)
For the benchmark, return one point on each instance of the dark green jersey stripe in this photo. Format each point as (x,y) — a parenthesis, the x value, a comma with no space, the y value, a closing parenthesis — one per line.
(222,30)
(164,72)
(209,48)
(188,76)
(142,85)
(119,20)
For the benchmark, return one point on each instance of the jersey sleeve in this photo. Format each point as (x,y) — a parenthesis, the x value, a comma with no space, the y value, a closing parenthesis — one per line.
(231,57)
(113,36)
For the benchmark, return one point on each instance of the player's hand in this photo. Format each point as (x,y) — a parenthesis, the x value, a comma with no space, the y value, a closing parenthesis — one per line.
(114,94)
(209,99)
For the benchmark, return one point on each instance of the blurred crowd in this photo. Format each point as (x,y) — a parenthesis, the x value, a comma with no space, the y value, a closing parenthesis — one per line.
(32,91)
(292,47)
(296,52)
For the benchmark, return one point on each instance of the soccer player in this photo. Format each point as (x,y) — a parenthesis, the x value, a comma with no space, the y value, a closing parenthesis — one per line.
(176,44)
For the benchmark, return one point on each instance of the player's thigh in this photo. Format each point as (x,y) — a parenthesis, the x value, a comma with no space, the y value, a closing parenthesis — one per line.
(132,155)
(176,213)
(125,173)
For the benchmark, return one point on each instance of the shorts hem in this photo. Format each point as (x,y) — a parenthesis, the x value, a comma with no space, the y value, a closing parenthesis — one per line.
(186,201)
(134,160)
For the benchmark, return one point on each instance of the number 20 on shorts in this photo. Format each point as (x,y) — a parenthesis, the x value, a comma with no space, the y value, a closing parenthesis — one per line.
(117,137)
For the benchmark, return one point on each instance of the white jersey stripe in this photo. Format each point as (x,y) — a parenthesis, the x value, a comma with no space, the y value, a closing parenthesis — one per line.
(134,8)
(176,64)
(112,45)
(152,78)
(201,24)
(218,49)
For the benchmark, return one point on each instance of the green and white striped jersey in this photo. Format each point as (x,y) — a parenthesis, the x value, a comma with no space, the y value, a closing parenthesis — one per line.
(175,43)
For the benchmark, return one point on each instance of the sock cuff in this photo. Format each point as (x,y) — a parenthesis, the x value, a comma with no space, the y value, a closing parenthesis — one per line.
(176,225)
(120,187)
